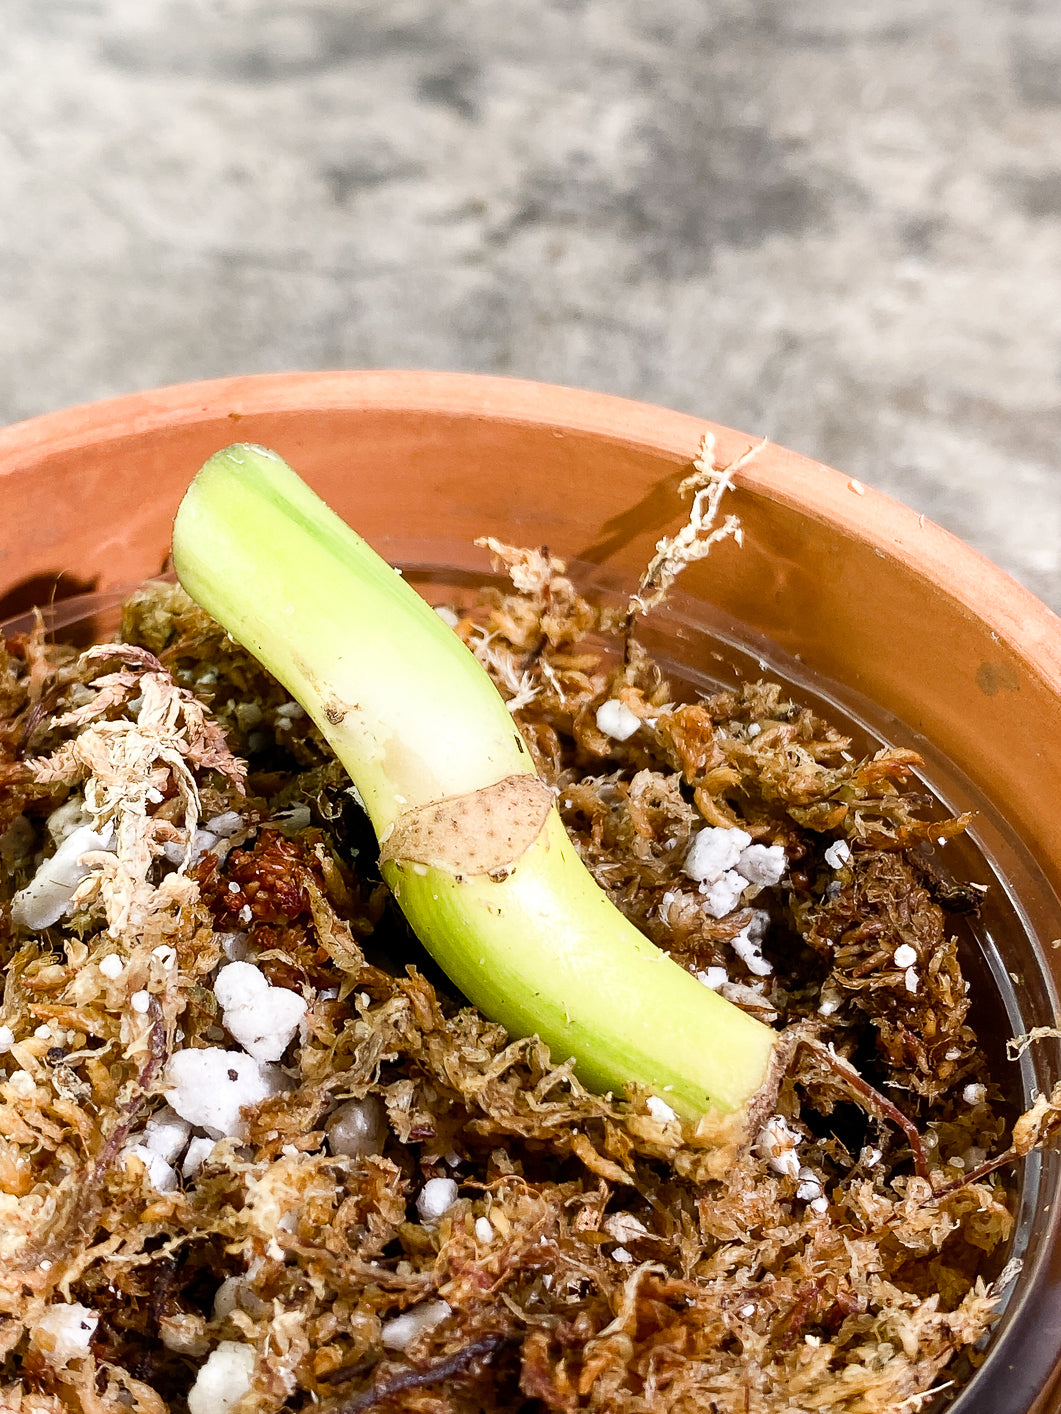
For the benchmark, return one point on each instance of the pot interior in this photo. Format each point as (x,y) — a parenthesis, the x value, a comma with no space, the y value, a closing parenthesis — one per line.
(702,651)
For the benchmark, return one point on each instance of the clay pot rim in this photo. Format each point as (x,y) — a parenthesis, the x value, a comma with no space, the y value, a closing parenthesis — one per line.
(822,494)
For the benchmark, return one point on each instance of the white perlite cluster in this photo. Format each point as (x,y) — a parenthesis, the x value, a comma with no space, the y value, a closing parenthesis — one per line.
(905,957)
(209,1086)
(724,862)
(261,1017)
(777,1145)
(158,1145)
(726,866)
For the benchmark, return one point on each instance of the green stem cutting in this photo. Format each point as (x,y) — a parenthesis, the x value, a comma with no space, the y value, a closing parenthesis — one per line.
(471,843)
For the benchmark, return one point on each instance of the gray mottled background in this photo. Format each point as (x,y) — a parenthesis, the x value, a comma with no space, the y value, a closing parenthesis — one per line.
(836,222)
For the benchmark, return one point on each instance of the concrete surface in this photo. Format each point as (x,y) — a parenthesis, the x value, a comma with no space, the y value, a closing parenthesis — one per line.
(837,222)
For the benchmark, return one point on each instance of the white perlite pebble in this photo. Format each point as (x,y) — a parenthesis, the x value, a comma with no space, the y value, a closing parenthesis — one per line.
(160,1174)
(209,1086)
(436,1197)
(713,851)
(904,956)
(748,944)
(616,720)
(176,851)
(713,977)
(226,1297)
(974,1094)
(358,1128)
(297,818)
(723,896)
(198,1152)
(166,1134)
(157,1146)
(223,1380)
(7,1039)
(776,1145)
(809,1185)
(47,896)
(763,864)
(838,853)
(399,1333)
(111,966)
(484,1230)
(235,946)
(140,1002)
(70,816)
(261,1017)
(671,896)
(659,1109)
(620,1254)
(65,1330)
(624,1227)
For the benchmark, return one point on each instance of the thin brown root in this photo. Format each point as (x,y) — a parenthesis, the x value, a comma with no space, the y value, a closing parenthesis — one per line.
(432,1374)
(872,1099)
(1034,1128)
(982,1171)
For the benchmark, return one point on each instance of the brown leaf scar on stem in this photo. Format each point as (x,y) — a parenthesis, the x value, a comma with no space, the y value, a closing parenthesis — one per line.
(484,832)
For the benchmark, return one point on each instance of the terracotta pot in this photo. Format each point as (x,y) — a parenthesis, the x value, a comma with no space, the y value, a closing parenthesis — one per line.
(864,591)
